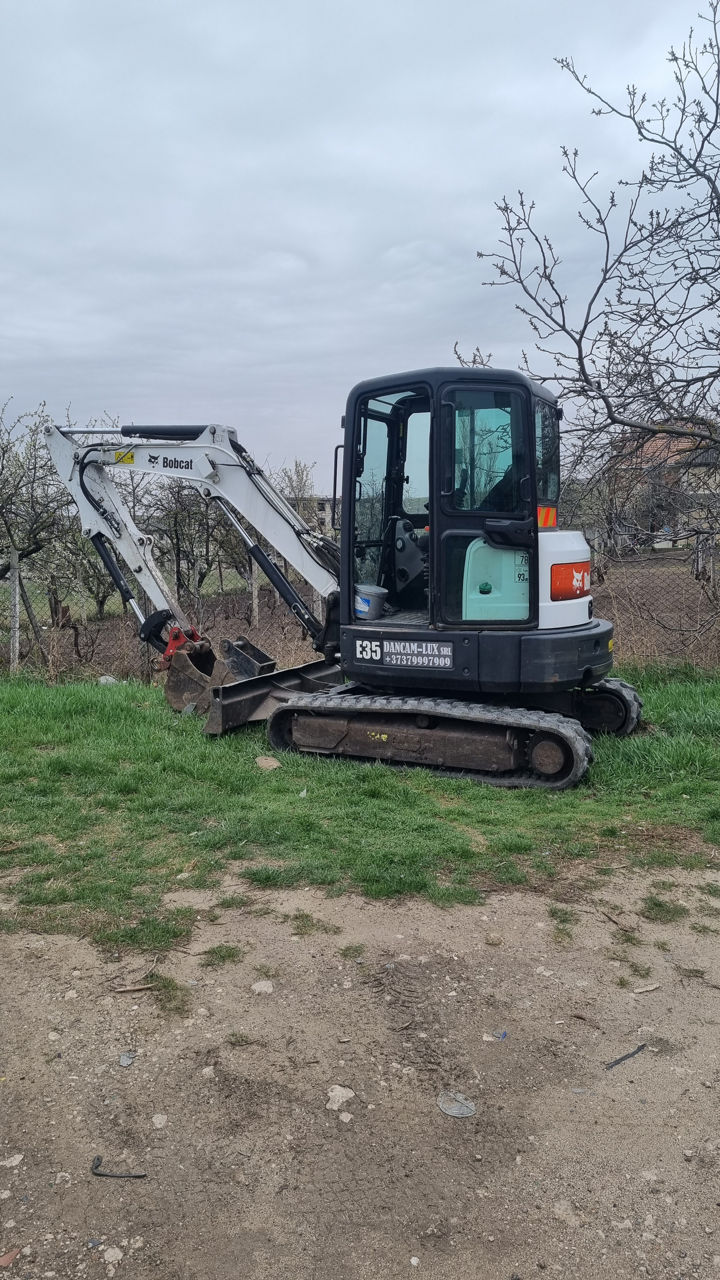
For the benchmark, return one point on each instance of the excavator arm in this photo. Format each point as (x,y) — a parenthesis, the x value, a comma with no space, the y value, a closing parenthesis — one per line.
(211,460)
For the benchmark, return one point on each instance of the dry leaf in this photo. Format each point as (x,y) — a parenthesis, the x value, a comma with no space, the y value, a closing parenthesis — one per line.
(8,1258)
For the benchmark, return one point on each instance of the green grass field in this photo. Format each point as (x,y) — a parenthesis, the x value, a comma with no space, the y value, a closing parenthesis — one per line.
(107,797)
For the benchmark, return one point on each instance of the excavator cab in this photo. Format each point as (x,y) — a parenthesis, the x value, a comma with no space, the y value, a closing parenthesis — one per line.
(444,480)
(450,539)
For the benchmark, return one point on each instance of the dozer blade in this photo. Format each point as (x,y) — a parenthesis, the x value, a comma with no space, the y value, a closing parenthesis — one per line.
(242,701)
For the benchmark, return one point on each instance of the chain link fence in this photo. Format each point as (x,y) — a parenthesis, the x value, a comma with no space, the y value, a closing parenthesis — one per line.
(664,603)
(41,636)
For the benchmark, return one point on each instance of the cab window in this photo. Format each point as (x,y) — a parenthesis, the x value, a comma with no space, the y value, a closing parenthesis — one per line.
(489,459)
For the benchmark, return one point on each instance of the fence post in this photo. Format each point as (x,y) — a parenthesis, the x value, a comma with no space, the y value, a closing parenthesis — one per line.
(14,612)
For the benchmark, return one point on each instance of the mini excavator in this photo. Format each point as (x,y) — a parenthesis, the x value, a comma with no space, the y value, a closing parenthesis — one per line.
(457,629)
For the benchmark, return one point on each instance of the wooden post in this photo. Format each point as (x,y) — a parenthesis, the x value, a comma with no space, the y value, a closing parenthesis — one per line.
(14,612)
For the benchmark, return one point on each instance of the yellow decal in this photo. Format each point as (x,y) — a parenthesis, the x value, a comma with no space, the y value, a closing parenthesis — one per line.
(125,455)
(610,644)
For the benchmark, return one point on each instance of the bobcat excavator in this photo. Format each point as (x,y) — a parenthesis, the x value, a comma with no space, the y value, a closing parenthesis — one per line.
(457,628)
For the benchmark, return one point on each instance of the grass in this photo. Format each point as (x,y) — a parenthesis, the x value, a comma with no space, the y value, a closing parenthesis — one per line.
(239,1040)
(170,996)
(108,797)
(224,953)
(353,951)
(564,918)
(234,900)
(660,911)
(303,923)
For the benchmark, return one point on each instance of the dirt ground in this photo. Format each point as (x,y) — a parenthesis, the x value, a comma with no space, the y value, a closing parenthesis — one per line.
(566,1168)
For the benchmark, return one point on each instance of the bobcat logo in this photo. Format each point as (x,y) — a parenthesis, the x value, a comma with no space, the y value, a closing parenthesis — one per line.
(153,459)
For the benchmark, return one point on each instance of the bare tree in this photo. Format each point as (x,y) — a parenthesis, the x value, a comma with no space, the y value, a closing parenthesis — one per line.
(31,498)
(638,347)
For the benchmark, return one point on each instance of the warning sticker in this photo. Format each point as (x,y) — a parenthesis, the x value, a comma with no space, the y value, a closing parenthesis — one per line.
(125,455)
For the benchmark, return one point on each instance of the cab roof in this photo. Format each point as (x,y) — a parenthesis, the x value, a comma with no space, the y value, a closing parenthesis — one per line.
(441,374)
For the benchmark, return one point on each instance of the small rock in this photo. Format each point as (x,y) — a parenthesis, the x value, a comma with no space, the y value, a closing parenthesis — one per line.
(159,1120)
(267,762)
(493,940)
(12,1162)
(107,680)
(456,1104)
(4,1195)
(641,991)
(127,1059)
(688,1155)
(414,1262)
(53,1035)
(337,1095)
(183,875)
(71,994)
(113,1255)
(564,1212)
(137,1242)
(345,1116)
(263,987)
(208,1073)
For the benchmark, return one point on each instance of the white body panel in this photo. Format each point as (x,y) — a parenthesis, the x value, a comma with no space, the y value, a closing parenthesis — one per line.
(560,546)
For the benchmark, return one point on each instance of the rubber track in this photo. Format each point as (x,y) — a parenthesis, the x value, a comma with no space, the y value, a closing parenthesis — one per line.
(633,703)
(570,731)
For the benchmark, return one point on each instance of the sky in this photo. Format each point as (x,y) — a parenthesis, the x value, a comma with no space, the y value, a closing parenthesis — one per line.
(231,212)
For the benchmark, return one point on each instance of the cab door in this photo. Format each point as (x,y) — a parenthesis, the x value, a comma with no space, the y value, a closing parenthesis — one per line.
(484,530)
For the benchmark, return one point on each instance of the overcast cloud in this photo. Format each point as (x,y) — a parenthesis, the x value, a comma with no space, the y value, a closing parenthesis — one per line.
(231,212)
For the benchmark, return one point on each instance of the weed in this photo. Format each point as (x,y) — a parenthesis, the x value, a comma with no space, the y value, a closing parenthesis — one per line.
(640,970)
(689,972)
(712,887)
(662,945)
(353,951)
(303,923)
(152,933)
(169,995)
(267,971)
(235,900)
(563,935)
(623,982)
(660,911)
(703,929)
(563,915)
(224,953)
(627,937)
(239,1040)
